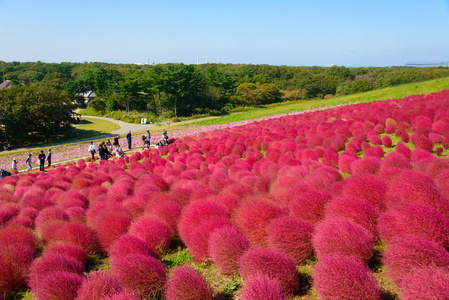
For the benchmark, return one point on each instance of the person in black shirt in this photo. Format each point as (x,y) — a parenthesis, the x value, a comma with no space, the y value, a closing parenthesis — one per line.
(41,160)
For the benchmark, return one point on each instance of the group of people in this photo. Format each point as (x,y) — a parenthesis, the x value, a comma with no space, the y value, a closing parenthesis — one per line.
(42,158)
(106,149)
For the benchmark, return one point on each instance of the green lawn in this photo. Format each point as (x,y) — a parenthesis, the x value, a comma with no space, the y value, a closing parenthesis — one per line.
(91,127)
(396,92)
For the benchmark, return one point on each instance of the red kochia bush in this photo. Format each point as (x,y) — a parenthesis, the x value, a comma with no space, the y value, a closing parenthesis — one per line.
(367,165)
(407,253)
(411,186)
(344,163)
(186,283)
(168,211)
(50,213)
(129,244)
(196,213)
(253,216)
(271,263)
(78,234)
(98,285)
(414,219)
(338,277)
(156,234)
(309,205)
(262,287)
(52,262)
(355,209)
(144,274)
(74,251)
(368,187)
(18,235)
(111,225)
(426,283)
(14,262)
(226,245)
(292,236)
(199,242)
(59,285)
(344,237)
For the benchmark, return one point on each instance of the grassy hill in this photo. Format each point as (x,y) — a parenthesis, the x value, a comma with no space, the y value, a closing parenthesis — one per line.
(396,92)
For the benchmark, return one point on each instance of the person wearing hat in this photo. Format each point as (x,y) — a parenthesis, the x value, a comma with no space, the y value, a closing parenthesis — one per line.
(28,162)
(14,164)
(49,157)
(41,160)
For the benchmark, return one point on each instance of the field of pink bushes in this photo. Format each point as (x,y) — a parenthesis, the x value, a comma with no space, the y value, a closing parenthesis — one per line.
(349,192)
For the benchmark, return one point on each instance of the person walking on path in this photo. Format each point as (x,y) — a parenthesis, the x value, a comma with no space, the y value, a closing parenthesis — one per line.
(128,139)
(41,161)
(49,157)
(14,164)
(28,162)
(92,149)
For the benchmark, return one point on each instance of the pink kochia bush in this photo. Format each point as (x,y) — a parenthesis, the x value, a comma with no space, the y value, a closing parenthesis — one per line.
(196,213)
(271,263)
(368,187)
(414,219)
(129,244)
(262,287)
(141,273)
(426,283)
(355,209)
(292,236)
(156,234)
(336,276)
(407,253)
(309,205)
(59,285)
(198,244)
(186,283)
(15,260)
(98,285)
(226,245)
(341,236)
(253,216)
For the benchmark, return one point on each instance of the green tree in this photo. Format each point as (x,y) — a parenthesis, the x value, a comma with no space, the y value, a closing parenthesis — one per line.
(360,86)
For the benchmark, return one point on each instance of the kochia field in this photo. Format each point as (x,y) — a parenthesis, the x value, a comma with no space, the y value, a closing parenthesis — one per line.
(345,202)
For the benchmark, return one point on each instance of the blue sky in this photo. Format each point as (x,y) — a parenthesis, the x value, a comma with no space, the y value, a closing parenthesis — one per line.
(283,32)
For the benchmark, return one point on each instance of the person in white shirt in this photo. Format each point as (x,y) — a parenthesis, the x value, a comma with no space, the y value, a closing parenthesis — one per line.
(118,151)
(92,149)
(14,164)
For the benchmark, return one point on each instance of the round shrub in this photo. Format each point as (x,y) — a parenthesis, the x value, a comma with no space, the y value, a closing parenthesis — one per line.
(198,244)
(226,245)
(426,283)
(78,234)
(411,186)
(414,219)
(253,216)
(407,253)
(16,234)
(59,285)
(262,287)
(186,283)
(355,209)
(52,262)
(344,237)
(368,187)
(292,236)
(156,234)
(98,285)
(271,263)
(50,213)
(15,260)
(110,226)
(309,205)
(196,213)
(168,211)
(338,277)
(344,163)
(143,274)
(129,244)
(71,250)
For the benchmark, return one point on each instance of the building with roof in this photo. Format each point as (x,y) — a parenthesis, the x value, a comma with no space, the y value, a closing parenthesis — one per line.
(5,85)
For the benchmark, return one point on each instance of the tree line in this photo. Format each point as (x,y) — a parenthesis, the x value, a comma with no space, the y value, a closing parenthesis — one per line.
(172,90)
